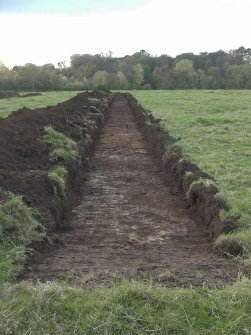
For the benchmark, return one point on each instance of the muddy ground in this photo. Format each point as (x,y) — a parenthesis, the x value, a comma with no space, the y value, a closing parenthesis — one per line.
(128,222)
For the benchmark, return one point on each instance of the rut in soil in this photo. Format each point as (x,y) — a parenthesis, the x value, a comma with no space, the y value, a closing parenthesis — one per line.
(129,224)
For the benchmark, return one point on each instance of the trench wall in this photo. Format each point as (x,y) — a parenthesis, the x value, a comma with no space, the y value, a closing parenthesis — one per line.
(187,176)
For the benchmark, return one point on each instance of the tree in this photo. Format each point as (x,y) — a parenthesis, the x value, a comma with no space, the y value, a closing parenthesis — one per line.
(201,79)
(241,55)
(218,69)
(138,76)
(3,68)
(121,81)
(185,73)
(102,79)
(241,75)
(8,78)
(127,66)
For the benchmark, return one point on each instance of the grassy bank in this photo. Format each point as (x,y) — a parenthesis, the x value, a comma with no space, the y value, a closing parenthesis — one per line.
(19,228)
(214,132)
(131,308)
(47,98)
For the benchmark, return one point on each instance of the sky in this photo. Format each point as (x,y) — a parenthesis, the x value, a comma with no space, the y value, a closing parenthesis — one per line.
(50,31)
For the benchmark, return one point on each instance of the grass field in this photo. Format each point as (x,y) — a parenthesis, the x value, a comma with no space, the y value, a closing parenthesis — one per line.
(129,309)
(47,98)
(215,131)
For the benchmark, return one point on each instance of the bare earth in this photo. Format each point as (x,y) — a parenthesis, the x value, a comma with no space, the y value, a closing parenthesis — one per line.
(129,224)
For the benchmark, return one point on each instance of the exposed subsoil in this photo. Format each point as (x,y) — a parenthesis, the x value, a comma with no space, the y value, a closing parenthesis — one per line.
(129,224)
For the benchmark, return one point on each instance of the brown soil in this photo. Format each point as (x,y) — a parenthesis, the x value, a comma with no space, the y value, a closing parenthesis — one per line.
(13,94)
(8,94)
(129,224)
(31,94)
(24,160)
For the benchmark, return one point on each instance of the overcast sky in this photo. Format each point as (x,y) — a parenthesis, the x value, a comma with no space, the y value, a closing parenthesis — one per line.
(49,31)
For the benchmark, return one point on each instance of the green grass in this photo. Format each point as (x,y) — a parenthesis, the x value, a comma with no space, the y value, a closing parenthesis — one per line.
(46,99)
(130,308)
(19,228)
(58,174)
(63,148)
(11,261)
(18,224)
(214,127)
(239,238)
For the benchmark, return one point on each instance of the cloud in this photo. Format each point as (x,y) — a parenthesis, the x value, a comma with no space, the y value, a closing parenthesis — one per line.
(158,26)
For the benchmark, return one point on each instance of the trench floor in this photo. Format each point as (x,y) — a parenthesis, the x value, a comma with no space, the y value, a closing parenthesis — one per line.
(129,224)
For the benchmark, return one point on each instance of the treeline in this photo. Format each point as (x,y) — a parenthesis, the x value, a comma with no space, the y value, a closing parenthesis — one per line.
(215,70)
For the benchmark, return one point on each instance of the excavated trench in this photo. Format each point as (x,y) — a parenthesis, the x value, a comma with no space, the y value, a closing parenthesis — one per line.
(129,224)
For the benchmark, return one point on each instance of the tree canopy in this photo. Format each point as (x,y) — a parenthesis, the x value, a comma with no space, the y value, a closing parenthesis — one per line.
(220,69)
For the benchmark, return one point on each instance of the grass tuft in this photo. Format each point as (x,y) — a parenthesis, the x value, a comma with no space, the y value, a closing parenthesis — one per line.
(58,174)
(236,243)
(63,148)
(200,181)
(17,222)
(19,228)
(174,149)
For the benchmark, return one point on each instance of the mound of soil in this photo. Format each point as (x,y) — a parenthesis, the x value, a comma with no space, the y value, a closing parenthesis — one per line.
(8,94)
(25,162)
(13,94)
(31,94)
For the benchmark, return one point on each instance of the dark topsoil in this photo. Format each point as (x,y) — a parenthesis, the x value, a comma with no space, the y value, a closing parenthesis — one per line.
(24,160)
(13,94)
(8,94)
(128,222)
